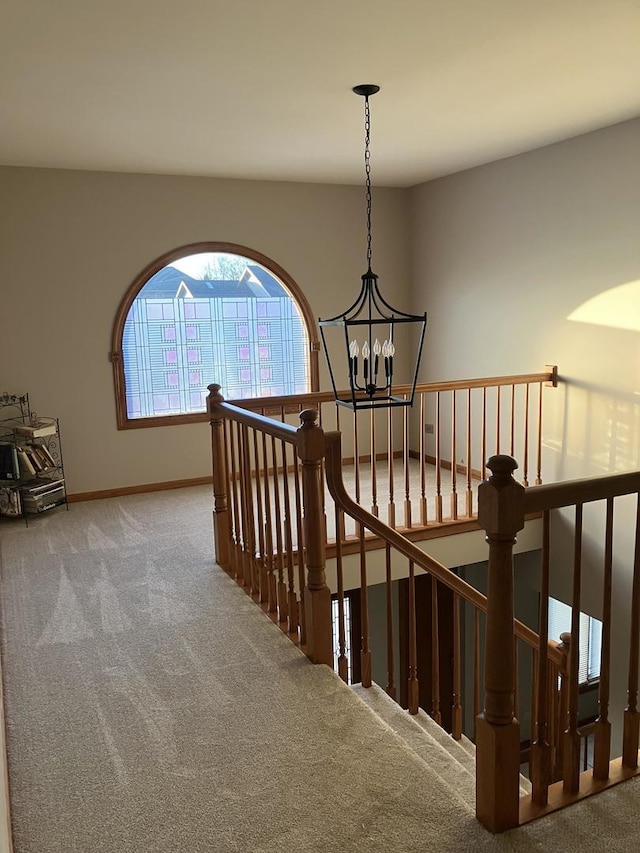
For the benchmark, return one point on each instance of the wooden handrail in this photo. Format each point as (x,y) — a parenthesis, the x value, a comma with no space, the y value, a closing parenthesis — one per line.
(584,490)
(276,429)
(313,398)
(412,552)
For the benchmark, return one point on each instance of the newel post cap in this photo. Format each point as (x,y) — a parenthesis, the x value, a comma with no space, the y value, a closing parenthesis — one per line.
(501,498)
(214,398)
(310,437)
(214,392)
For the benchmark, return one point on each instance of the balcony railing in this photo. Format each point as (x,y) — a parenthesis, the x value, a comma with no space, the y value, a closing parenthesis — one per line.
(274,514)
(420,468)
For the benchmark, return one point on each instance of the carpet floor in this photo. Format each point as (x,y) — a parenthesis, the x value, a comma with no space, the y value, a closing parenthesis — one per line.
(152,706)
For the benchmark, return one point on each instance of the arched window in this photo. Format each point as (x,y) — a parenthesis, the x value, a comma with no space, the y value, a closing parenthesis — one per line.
(204,313)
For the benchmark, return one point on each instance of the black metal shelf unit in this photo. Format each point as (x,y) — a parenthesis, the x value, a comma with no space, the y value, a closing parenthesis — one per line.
(31,467)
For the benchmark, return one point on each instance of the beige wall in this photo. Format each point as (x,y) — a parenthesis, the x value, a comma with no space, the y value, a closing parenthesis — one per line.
(502,255)
(72,242)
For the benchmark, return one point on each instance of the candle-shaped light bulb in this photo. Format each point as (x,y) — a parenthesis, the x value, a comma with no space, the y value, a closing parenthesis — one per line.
(354,349)
(392,349)
(365,356)
(376,353)
(385,355)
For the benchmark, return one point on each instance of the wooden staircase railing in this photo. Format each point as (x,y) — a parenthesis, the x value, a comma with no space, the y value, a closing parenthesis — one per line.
(597,495)
(255,529)
(271,532)
(420,468)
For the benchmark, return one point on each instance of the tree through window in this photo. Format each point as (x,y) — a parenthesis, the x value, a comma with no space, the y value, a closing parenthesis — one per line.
(209,313)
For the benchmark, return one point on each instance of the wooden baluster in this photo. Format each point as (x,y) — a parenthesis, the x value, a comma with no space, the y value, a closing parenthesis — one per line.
(469,496)
(300,546)
(501,515)
(541,754)
(435,654)
(423,465)
(539,439)
(484,433)
(311,449)
(438,462)
(244,569)
(454,460)
(356,457)
(631,730)
(391,513)
(498,419)
(602,727)
(323,480)
(221,517)
(340,521)
(407,470)
(533,701)
(365,650)
(251,566)
(237,508)
(525,452)
(281,586)
(456,705)
(512,426)
(292,601)
(584,744)
(263,582)
(272,592)
(571,760)
(372,455)
(476,670)
(343,663)
(413,691)
(516,693)
(233,556)
(391,687)
(562,704)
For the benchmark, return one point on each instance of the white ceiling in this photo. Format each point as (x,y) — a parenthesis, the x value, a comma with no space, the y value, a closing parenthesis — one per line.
(262,88)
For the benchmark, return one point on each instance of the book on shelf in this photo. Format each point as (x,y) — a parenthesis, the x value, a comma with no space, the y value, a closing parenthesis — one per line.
(9,465)
(42,496)
(41,460)
(37,429)
(27,469)
(41,485)
(34,459)
(47,458)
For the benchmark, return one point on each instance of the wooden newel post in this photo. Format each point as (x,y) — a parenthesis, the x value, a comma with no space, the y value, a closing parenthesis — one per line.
(221,520)
(317,596)
(501,515)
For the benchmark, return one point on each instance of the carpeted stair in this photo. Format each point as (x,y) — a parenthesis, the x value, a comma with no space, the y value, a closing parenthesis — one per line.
(453,761)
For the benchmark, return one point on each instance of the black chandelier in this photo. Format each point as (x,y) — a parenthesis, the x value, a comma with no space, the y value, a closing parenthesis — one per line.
(370,364)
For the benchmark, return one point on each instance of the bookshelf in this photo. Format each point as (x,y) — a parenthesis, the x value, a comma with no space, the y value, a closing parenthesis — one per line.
(31,467)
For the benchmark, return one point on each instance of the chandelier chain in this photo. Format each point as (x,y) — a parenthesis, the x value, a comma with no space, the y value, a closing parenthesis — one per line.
(367,169)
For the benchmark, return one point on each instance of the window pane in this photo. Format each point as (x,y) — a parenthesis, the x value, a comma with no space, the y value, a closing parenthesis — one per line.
(590,637)
(595,647)
(237,323)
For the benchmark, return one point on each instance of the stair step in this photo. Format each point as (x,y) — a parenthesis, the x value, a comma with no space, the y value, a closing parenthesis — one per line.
(458,752)
(431,742)
(453,774)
